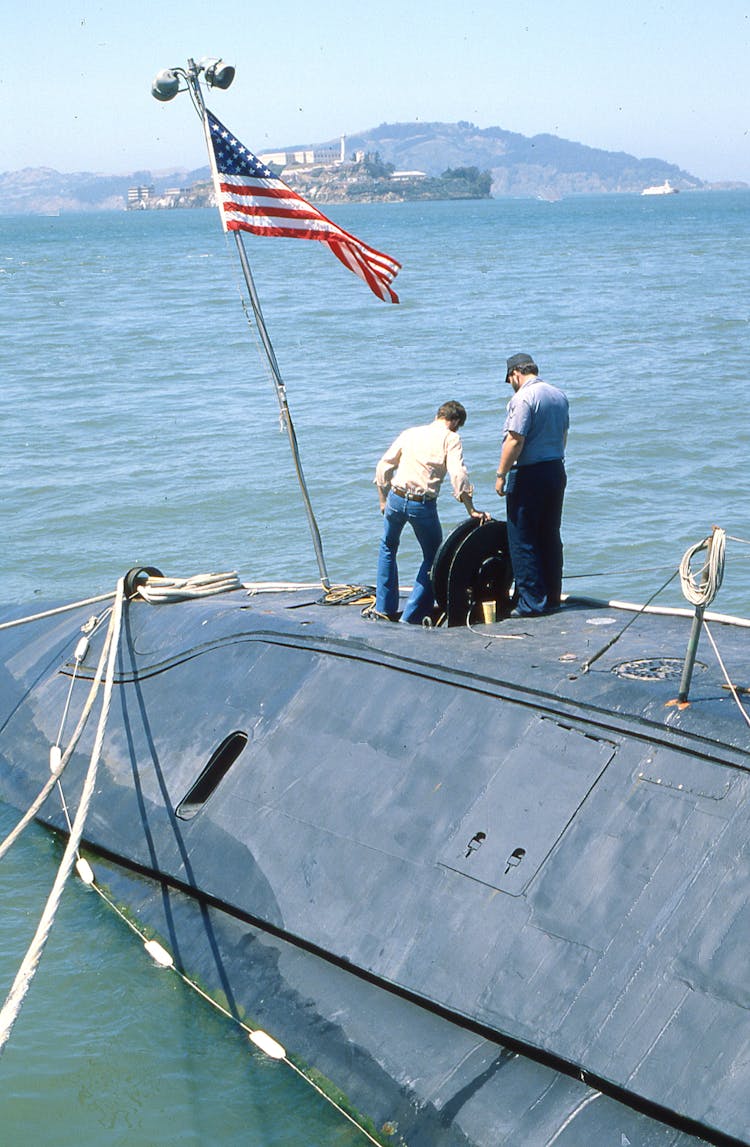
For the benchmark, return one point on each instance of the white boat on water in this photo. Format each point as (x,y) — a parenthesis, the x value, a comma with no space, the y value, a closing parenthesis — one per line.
(664,188)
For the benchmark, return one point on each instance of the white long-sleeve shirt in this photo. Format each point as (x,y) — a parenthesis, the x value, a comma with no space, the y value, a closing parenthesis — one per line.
(420,458)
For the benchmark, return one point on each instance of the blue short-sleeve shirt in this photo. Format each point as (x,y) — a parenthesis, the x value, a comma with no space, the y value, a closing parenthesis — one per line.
(538,411)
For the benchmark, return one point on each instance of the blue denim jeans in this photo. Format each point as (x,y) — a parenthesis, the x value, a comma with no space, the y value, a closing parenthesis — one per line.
(423,519)
(534,502)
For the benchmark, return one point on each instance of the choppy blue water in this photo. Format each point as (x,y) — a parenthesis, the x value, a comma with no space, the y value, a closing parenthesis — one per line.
(139,426)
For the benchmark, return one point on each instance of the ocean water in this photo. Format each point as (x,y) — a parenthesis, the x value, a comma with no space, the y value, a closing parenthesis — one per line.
(140,427)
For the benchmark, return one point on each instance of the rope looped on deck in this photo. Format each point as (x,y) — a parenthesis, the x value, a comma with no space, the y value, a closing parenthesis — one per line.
(156,590)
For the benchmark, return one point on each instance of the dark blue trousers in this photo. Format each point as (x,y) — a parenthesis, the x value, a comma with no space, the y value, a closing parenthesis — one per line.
(534,497)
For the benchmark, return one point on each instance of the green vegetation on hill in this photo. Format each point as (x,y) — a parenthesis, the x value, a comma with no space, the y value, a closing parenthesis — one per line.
(454,183)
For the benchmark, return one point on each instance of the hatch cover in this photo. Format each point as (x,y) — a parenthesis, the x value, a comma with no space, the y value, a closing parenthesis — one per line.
(508,832)
(654,669)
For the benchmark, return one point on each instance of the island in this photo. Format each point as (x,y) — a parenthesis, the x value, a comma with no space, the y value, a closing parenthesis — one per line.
(323,177)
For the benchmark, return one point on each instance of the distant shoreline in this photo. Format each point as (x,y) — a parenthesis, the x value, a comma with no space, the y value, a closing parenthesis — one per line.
(393,162)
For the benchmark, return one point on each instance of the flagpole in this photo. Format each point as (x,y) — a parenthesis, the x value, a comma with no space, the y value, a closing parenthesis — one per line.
(286,417)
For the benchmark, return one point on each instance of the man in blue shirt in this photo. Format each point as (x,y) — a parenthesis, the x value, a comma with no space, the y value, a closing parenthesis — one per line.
(531,477)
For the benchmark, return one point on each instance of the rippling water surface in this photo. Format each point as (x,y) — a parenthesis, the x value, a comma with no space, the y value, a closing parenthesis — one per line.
(140,427)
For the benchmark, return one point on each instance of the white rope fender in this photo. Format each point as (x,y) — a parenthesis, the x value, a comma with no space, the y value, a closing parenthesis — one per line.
(259,1038)
(30,962)
(57,772)
(702,590)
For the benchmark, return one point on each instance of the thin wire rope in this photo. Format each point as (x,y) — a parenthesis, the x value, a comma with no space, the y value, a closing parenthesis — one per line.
(30,962)
(590,661)
(722,666)
(228,1015)
(617,573)
(639,569)
(68,698)
(46,789)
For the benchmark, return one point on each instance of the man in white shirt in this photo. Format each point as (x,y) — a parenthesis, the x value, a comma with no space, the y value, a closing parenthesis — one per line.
(409,477)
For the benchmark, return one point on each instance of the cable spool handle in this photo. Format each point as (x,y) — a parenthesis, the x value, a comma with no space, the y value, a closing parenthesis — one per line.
(699,593)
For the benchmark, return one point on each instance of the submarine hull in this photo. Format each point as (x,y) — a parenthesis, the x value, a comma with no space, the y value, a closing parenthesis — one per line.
(491,890)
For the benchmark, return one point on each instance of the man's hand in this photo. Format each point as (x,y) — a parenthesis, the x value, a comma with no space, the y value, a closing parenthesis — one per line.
(509,455)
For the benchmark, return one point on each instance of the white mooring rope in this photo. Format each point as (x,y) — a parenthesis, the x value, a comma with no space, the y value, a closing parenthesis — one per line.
(59,768)
(730,684)
(155,590)
(53,612)
(30,962)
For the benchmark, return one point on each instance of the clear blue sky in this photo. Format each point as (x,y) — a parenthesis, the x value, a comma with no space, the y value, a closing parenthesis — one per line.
(670,80)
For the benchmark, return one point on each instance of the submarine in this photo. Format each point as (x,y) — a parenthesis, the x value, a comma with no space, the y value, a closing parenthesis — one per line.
(488,876)
(485,880)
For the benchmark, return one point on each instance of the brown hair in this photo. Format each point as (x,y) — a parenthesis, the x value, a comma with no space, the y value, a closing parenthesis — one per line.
(452,412)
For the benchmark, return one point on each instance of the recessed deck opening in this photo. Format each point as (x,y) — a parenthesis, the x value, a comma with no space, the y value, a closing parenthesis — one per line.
(219,764)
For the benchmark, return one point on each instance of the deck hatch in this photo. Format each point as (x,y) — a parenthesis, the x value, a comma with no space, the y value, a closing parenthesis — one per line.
(654,669)
(508,832)
(218,766)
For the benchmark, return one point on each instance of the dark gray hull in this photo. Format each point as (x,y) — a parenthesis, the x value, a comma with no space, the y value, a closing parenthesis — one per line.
(495,898)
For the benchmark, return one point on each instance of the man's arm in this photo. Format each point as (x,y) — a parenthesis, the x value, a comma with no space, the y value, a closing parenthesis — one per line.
(385,470)
(459,476)
(509,455)
(470,508)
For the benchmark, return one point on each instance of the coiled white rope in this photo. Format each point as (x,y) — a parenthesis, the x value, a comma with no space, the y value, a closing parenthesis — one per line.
(30,962)
(165,589)
(701,589)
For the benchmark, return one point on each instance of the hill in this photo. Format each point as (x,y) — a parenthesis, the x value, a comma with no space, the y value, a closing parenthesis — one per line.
(519,166)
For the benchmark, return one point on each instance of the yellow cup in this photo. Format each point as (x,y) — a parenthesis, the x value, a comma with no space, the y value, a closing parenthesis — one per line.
(490,612)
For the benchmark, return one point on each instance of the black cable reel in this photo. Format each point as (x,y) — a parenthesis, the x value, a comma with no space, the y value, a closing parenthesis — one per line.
(472,569)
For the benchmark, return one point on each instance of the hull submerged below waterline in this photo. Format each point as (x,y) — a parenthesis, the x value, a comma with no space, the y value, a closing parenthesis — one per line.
(479,885)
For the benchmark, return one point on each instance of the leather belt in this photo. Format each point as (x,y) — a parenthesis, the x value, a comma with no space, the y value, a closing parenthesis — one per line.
(411,497)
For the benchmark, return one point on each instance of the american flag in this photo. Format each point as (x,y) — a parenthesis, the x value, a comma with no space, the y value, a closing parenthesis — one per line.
(252,198)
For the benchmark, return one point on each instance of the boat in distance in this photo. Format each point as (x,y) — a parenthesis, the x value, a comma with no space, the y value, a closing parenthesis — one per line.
(664,188)
(485,877)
